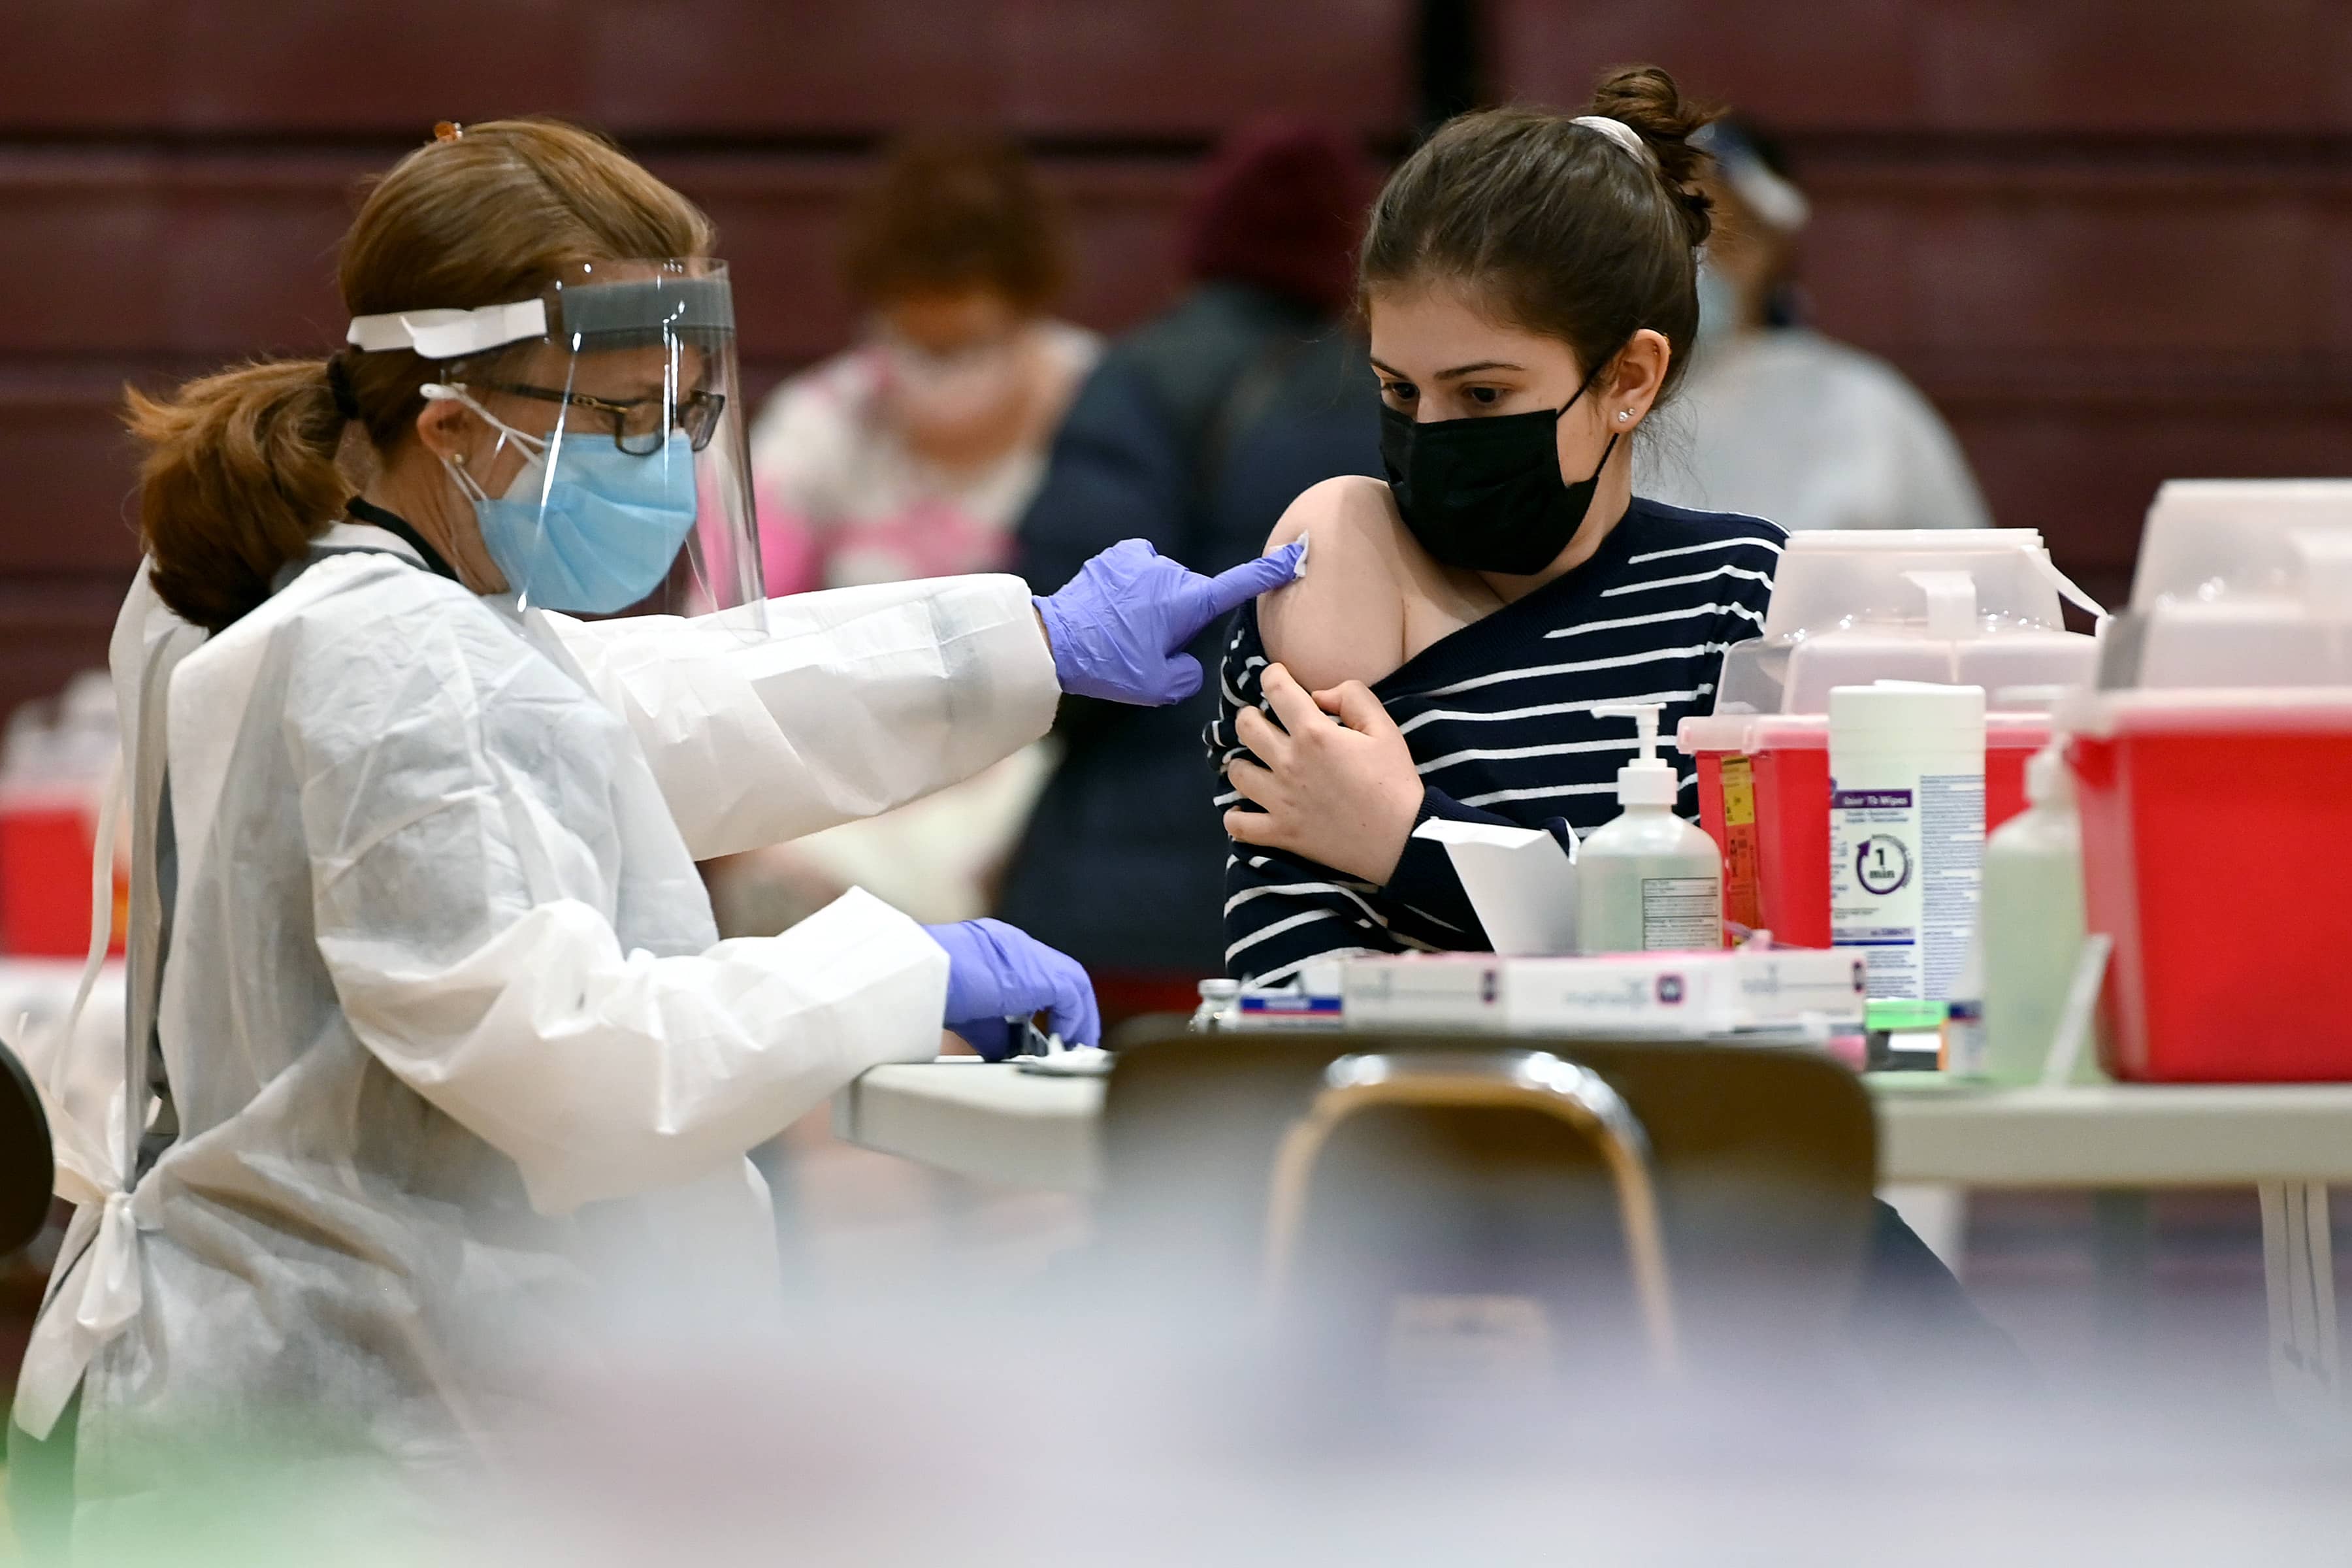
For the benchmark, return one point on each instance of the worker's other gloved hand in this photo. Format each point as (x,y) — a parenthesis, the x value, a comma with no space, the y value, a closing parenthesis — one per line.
(996,972)
(1120,629)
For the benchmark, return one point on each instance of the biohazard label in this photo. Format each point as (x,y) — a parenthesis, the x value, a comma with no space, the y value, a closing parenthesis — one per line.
(1742,877)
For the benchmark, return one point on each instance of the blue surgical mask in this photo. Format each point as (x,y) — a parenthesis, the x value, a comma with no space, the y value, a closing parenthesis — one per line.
(598,538)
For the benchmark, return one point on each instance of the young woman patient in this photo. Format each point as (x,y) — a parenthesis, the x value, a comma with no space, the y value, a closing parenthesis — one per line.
(1528,280)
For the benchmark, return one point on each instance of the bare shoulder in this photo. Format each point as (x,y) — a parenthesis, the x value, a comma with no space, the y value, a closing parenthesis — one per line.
(1345,620)
(1354,504)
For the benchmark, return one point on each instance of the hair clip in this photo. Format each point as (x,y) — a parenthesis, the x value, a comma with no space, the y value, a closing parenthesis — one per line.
(339,384)
(448,130)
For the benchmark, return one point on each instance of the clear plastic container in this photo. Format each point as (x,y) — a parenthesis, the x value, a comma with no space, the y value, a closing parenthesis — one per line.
(2211,539)
(2243,583)
(1971,608)
(1833,579)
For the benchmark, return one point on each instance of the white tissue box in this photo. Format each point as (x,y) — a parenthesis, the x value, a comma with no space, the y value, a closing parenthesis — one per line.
(1521,880)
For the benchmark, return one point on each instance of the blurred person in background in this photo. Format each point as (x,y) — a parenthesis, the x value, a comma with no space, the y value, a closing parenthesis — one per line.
(911,455)
(1780,421)
(1196,431)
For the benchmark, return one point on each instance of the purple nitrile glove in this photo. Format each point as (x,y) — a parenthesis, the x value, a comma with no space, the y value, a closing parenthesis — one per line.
(998,974)
(1121,627)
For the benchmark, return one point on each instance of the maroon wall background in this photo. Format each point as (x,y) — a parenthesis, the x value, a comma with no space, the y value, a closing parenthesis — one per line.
(174,175)
(2108,238)
(2112,239)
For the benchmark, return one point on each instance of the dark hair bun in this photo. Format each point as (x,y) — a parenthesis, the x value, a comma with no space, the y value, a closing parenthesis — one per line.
(1647,99)
(1555,227)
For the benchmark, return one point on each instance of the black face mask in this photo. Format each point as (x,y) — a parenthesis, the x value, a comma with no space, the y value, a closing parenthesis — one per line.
(1486,495)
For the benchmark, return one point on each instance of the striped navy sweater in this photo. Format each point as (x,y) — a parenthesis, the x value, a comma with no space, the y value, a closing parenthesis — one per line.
(1499,719)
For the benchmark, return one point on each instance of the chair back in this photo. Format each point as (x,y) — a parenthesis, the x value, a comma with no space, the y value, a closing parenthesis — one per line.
(1690,1203)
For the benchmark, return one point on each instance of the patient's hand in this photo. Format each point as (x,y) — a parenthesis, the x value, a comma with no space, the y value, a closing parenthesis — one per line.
(1344,794)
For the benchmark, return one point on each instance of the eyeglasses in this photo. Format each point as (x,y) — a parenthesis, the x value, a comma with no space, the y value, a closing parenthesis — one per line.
(637,427)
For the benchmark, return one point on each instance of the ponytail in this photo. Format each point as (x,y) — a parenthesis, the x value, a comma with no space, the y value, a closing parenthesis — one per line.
(240,475)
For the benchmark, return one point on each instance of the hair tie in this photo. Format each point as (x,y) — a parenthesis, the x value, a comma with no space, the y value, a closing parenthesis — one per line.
(1624,135)
(338,383)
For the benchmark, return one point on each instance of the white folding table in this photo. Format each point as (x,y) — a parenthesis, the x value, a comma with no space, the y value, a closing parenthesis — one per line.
(996,1123)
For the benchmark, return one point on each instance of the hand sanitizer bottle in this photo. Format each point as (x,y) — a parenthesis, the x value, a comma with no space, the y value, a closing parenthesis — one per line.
(2031,917)
(1650,880)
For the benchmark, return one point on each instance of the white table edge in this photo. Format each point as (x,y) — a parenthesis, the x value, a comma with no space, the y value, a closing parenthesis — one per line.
(1032,1129)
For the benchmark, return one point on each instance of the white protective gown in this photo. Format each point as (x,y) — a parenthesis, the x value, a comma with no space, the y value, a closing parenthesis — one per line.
(449,1033)
(1788,425)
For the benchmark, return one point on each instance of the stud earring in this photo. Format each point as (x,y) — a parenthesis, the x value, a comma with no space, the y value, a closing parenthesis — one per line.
(1624,415)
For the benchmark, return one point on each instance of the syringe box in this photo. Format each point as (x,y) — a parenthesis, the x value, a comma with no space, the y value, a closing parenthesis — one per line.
(1680,994)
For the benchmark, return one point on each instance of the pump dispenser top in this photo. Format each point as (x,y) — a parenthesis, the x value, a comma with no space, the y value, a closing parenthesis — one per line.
(1648,881)
(1649,779)
(2047,782)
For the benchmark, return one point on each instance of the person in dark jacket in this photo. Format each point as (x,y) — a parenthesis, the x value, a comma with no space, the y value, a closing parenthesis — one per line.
(1195,432)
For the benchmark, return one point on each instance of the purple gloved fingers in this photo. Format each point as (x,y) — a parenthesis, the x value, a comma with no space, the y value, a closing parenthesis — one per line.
(1119,629)
(1230,590)
(999,974)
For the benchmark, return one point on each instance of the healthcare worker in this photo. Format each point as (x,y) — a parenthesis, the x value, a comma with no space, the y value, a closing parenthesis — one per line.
(431,1038)
(1778,420)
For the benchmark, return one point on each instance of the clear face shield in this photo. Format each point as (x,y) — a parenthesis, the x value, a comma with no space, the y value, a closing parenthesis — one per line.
(619,480)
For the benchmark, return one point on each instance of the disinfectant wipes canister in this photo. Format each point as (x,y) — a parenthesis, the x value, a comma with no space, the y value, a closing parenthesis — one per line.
(1907,830)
